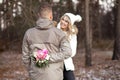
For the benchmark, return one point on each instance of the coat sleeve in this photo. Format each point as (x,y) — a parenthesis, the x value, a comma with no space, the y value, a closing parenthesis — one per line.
(25,51)
(73,44)
(65,51)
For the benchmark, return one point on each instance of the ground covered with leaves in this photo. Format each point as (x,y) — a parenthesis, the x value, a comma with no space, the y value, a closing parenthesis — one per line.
(103,68)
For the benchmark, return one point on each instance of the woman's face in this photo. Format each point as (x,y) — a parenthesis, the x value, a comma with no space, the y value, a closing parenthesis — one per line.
(64,22)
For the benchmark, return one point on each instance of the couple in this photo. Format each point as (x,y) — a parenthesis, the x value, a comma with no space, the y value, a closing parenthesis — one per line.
(60,43)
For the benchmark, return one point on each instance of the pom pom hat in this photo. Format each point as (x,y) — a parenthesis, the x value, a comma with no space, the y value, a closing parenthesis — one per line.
(74,18)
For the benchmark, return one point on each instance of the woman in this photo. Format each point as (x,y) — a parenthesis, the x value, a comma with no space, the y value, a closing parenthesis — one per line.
(67,25)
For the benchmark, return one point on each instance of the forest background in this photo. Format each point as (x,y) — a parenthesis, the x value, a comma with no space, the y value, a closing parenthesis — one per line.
(16,16)
(99,29)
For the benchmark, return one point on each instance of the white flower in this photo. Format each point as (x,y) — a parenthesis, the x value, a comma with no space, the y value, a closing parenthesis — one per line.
(47,57)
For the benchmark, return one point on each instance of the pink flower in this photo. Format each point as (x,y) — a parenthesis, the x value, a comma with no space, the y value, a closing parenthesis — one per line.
(41,54)
(45,51)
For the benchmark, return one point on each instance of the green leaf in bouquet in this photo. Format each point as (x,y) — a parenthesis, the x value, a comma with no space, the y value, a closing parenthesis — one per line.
(42,64)
(33,58)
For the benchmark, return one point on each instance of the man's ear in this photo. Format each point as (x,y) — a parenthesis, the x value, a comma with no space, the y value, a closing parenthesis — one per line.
(51,17)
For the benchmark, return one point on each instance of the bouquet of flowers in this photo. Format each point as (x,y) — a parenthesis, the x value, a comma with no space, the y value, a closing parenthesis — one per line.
(41,58)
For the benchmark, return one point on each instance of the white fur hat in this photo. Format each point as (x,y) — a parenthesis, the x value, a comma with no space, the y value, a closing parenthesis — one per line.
(74,18)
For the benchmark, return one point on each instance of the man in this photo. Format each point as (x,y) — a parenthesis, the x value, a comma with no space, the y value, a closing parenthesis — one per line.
(45,36)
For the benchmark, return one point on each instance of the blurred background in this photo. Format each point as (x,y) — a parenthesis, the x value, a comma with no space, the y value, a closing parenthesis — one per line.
(18,15)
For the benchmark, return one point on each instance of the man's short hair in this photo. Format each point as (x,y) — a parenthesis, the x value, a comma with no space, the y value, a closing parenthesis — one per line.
(44,9)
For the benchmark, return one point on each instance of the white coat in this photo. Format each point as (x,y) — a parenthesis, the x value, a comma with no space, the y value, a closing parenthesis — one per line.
(69,65)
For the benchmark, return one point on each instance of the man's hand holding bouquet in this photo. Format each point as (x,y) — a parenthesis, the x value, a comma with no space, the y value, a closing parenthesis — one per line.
(41,58)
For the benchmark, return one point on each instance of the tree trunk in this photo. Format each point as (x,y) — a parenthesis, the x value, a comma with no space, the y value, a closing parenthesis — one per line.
(99,22)
(70,6)
(88,39)
(116,52)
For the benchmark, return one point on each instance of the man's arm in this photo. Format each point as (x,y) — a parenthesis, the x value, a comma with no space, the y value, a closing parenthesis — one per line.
(65,51)
(25,52)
